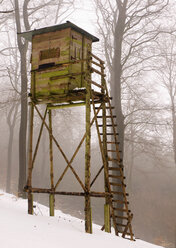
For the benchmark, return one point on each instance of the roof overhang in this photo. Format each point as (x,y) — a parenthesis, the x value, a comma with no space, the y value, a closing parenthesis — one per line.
(29,34)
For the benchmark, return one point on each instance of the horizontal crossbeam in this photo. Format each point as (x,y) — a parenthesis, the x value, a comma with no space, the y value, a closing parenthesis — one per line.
(50,191)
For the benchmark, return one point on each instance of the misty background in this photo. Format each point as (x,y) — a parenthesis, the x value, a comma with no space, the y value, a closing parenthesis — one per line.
(140,37)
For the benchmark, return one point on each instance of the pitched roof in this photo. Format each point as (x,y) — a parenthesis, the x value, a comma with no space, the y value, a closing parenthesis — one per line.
(28,35)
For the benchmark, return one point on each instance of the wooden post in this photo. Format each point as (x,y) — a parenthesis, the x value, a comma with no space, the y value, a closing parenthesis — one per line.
(30,165)
(51,204)
(30,203)
(107,219)
(107,222)
(88,214)
(51,197)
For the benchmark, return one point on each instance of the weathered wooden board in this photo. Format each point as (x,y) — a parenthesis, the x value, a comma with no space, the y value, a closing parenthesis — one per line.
(58,40)
(53,72)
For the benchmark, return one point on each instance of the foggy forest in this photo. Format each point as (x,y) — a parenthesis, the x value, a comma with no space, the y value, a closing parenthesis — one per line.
(137,41)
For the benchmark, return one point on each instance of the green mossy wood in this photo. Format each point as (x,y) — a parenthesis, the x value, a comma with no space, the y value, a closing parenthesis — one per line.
(58,60)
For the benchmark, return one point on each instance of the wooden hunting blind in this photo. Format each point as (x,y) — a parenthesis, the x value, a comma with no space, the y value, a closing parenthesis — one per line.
(62,63)
(58,60)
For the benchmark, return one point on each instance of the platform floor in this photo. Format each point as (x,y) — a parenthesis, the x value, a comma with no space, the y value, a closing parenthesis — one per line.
(71,96)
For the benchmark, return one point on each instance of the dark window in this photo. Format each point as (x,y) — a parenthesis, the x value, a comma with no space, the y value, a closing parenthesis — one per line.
(50,53)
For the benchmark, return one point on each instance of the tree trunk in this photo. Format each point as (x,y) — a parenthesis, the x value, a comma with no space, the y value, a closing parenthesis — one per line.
(117,72)
(23,121)
(9,160)
(11,125)
(174,129)
(23,126)
(116,85)
(131,160)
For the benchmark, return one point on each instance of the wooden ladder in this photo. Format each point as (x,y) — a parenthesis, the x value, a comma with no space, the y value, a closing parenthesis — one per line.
(121,216)
(111,155)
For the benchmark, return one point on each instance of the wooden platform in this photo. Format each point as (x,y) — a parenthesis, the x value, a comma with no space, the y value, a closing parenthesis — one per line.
(71,96)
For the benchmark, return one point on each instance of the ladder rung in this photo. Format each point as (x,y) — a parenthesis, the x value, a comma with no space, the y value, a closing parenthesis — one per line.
(108,125)
(107,116)
(110,107)
(121,217)
(118,184)
(98,85)
(119,193)
(110,116)
(113,151)
(97,71)
(119,224)
(97,64)
(109,133)
(114,160)
(122,210)
(119,177)
(112,142)
(114,168)
(106,108)
(94,56)
(121,202)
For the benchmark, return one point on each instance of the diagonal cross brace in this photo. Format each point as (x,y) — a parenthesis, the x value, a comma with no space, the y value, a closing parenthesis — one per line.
(38,140)
(60,149)
(75,153)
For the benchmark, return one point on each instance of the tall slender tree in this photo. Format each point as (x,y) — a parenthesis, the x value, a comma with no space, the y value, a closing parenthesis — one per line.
(22,46)
(166,76)
(129,29)
(24,22)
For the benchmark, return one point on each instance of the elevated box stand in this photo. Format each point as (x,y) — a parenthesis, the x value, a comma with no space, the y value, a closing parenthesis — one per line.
(61,66)
(59,62)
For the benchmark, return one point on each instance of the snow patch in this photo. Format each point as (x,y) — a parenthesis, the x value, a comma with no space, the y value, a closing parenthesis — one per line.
(19,230)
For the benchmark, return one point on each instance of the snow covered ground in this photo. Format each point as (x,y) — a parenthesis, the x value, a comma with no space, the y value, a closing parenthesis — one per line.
(20,230)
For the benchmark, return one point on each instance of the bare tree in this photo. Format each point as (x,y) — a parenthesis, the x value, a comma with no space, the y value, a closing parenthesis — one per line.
(13,76)
(33,13)
(129,29)
(22,46)
(166,76)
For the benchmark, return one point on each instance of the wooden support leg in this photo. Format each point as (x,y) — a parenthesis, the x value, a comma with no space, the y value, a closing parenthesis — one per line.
(88,215)
(51,197)
(51,204)
(107,218)
(30,166)
(30,203)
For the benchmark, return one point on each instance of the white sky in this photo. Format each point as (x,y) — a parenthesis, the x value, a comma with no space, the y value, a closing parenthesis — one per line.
(84,16)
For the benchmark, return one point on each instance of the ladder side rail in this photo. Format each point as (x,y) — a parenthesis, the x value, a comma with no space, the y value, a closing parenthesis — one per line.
(97,58)
(121,171)
(106,173)
(104,89)
(107,217)
(112,120)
